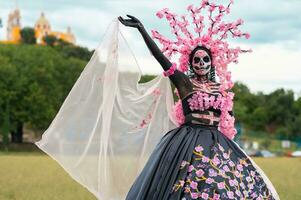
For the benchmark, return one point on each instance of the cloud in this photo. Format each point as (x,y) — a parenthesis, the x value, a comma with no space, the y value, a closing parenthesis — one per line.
(269,66)
(271,21)
(274,25)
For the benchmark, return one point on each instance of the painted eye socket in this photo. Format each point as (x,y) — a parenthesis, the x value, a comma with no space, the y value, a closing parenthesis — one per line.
(206,59)
(196,60)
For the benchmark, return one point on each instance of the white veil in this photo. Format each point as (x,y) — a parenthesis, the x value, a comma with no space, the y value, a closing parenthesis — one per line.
(109,124)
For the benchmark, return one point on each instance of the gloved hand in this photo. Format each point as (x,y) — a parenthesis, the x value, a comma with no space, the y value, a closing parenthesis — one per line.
(132,22)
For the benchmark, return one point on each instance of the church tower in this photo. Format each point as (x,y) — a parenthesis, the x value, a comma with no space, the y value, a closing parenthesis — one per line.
(14,26)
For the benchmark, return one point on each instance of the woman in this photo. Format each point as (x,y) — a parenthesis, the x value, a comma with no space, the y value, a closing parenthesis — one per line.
(118,138)
(195,160)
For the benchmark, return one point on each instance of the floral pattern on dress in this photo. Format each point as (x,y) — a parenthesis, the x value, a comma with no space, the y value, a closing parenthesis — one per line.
(220,177)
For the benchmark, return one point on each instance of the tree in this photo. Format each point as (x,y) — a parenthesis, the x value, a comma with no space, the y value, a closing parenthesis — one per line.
(69,50)
(242,108)
(294,125)
(28,35)
(5,126)
(50,40)
(35,80)
(279,105)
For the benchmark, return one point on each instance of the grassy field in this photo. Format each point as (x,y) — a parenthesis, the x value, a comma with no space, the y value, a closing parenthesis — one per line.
(34,176)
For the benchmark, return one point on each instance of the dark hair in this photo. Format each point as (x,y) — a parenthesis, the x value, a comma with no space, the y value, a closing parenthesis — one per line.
(191,73)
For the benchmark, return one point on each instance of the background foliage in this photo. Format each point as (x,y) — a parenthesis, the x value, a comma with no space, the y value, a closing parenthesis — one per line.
(35,80)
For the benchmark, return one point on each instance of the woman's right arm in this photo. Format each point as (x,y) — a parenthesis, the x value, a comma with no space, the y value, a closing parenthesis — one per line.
(179,79)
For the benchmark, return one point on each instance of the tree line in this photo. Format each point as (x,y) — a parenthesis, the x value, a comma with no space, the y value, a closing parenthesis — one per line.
(35,80)
(277,113)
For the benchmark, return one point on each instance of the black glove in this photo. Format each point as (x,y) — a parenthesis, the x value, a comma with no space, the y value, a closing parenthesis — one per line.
(132,22)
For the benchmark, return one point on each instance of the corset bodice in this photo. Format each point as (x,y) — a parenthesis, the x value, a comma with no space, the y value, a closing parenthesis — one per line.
(208,116)
(196,105)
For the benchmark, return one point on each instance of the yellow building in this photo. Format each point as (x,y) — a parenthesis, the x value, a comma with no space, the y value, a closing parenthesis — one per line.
(13,28)
(42,28)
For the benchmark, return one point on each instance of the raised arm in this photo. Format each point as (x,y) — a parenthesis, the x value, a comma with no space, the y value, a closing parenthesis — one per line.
(156,52)
(179,79)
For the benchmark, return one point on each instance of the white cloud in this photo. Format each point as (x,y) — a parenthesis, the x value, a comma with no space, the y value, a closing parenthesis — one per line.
(275,28)
(269,67)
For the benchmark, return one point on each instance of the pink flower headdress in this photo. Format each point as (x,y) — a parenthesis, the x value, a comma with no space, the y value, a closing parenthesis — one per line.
(210,32)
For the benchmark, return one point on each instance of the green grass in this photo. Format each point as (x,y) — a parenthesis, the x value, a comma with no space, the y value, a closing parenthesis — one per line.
(31,176)
(34,176)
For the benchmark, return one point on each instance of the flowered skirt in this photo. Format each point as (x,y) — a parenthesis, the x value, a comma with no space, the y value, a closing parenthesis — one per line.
(198,162)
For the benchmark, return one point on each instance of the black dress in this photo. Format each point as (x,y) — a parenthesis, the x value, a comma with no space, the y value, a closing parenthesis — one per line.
(197,161)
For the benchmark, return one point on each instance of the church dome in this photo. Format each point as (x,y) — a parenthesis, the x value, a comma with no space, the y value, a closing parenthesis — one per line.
(42,23)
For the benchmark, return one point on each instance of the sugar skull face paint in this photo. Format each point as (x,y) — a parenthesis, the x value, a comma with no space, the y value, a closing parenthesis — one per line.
(201,62)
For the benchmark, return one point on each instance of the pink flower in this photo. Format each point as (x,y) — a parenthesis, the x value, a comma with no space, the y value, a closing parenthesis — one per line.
(239,167)
(251,186)
(171,70)
(226,156)
(235,182)
(209,180)
(216,196)
(160,14)
(193,184)
(190,7)
(190,168)
(247,35)
(248,178)
(254,195)
(205,159)
(199,148)
(204,195)
(200,172)
(221,185)
(215,160)
(168,16)
(221,7)
(177,112)
(212,172)
(231,182)
(226,168)
(230,194)
(194,195)
(157,92)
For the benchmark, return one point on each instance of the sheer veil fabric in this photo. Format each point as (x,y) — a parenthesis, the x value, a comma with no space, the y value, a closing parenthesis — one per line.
(109,124)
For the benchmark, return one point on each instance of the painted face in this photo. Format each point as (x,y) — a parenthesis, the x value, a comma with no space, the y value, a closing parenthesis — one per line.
(201,62)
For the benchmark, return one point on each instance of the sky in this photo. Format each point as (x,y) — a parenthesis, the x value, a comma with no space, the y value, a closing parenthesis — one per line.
(274,25)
